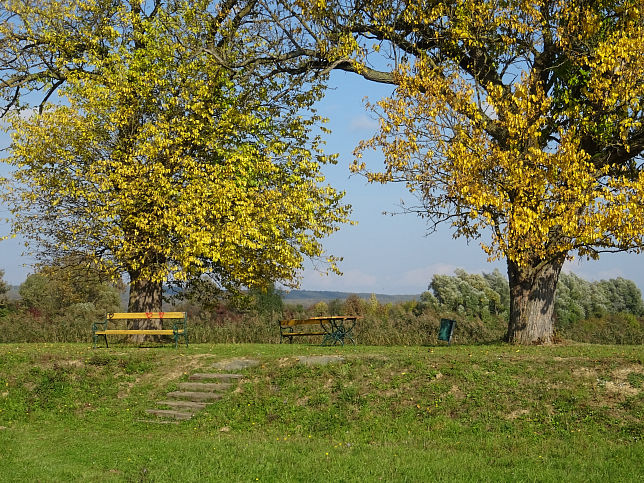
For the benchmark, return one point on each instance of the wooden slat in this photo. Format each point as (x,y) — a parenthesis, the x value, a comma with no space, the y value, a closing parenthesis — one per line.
(294,322)
(138,331)
(146,315)
(315,320)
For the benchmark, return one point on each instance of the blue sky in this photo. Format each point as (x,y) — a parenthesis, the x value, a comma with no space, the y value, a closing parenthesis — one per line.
(382,253)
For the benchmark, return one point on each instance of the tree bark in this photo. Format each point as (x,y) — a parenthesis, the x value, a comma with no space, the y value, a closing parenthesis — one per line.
(532,301)
(145,296)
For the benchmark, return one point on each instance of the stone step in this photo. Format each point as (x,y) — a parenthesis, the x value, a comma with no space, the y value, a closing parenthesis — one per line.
(183,404)
(157,421)
(167,413)
(215,375)
(195,395)
(204,386)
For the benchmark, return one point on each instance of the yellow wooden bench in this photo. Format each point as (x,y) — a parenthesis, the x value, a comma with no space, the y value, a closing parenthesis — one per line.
(179,327)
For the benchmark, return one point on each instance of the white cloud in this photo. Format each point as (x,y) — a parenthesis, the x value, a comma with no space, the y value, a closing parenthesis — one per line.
(419,278)
(363,123)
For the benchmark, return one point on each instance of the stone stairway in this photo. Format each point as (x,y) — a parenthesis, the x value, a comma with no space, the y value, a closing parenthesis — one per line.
(193,396)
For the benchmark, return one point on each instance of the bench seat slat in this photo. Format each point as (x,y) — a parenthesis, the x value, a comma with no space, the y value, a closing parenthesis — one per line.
(292,323)
(315,320)
(179,327)
(138,331)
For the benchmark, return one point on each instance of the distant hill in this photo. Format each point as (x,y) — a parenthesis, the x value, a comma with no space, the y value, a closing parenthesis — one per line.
(310,297)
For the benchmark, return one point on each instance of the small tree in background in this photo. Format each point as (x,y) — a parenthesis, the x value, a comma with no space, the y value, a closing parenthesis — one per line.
(472,294)
(266,300)
(579,299)
(64,290)
(354,305)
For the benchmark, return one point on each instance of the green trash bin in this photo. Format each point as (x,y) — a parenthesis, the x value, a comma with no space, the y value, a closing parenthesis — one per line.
(446,330)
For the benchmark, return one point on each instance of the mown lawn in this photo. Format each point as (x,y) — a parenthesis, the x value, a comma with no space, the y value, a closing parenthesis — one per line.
(460,413)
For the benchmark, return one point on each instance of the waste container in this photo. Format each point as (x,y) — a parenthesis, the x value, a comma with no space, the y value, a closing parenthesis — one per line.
(446,330)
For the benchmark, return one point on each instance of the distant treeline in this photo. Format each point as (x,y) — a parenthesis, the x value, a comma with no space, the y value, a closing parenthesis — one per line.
(312,297)
(483,295)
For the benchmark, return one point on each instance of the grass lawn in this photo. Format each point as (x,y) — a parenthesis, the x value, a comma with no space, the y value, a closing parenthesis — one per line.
(460,413)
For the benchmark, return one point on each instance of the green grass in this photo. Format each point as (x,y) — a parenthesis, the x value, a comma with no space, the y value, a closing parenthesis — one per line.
(460,413)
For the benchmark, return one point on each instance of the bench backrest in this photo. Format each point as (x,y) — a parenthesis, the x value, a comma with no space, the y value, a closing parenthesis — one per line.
(315,320)
(146,315)
(294,322)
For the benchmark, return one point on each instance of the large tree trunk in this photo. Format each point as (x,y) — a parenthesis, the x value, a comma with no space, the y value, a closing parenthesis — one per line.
(532,301)
(145,296)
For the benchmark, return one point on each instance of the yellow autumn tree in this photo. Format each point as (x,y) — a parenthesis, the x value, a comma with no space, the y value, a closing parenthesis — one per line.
(151,156)
(518,122)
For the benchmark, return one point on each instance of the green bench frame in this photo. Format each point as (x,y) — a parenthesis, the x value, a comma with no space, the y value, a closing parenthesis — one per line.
(179,327)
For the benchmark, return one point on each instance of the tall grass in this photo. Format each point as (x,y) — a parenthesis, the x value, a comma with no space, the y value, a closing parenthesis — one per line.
(386,327)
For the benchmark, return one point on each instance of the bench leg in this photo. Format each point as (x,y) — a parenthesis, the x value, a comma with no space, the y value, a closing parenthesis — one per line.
(176,339)
(95,337)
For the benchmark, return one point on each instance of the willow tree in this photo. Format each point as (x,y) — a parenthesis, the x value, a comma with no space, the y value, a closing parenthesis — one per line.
(154,158)
(518,122)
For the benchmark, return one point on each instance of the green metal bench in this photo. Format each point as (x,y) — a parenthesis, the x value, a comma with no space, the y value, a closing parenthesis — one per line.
(179,327)
(335,328)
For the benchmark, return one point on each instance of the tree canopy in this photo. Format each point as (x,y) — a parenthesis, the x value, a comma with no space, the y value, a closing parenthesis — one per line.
(154,157)
(517,122)
(474,294)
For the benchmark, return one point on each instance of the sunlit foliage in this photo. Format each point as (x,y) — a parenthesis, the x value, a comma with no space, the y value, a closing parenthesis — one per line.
(155,159)
(524,117)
